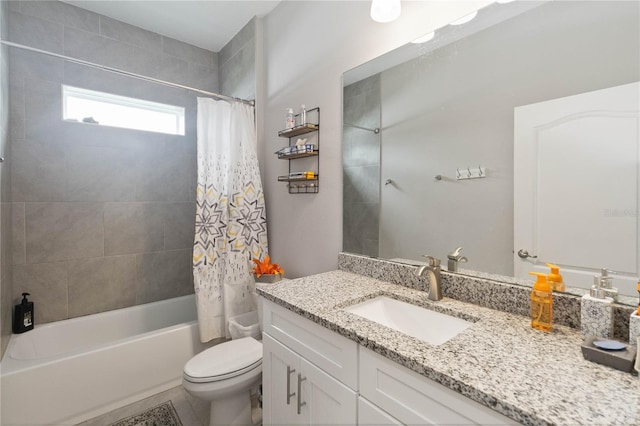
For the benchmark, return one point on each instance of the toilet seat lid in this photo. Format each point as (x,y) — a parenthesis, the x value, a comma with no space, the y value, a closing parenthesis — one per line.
(224,361)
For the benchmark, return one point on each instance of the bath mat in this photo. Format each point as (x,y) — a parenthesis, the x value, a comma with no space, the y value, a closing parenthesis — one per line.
(162,415)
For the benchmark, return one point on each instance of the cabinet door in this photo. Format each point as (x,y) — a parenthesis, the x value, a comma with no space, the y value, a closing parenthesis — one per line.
(324,400)
(369,414)
(280,368)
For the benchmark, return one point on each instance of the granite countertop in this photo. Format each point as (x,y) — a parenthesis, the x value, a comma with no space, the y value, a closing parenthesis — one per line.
(533,377)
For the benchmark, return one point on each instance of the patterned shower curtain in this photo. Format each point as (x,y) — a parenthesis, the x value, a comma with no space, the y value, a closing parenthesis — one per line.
(231,224)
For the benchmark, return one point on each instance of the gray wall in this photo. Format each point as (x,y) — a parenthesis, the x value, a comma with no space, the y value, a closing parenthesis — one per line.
(6,287)
(237,64)
(103,217)
(361,167)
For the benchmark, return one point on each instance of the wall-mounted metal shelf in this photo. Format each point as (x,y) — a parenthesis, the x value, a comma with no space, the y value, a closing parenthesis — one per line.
(299,130)
(302,185)
(300,155)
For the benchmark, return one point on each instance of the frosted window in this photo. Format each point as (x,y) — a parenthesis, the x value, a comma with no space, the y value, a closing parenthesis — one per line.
(105,109)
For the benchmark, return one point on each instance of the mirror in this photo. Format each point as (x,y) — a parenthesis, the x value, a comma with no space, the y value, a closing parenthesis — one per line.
(423,119)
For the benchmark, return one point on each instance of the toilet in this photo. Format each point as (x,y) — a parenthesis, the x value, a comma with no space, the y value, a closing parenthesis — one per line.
(225,374)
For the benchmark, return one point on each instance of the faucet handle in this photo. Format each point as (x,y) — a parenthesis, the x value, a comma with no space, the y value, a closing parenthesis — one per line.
(455,254)
(433,262)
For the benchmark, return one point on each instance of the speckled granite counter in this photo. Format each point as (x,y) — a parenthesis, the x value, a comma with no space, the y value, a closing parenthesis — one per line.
(530,376)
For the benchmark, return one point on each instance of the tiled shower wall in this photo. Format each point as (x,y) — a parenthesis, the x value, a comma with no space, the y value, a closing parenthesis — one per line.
(6,287)
(361,167)
(237,64)
(103,218)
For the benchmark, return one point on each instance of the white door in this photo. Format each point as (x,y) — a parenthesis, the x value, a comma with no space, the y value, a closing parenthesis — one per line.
(576,186)
(324,400)
(280,367)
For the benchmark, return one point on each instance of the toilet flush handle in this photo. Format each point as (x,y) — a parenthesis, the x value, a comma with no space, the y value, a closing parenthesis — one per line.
(289,394)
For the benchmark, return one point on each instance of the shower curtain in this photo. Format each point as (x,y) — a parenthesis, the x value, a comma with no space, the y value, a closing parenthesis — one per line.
(230,215)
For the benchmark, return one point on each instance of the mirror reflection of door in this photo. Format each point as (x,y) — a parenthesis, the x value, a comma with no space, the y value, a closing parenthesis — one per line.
(576,185)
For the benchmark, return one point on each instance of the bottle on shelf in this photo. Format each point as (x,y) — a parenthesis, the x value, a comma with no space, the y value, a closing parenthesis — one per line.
(303,115)
(290,123)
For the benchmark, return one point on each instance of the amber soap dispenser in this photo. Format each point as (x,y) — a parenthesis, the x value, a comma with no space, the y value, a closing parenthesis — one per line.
(541,303)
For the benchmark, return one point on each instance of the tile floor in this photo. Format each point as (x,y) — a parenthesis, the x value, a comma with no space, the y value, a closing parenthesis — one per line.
(192,411)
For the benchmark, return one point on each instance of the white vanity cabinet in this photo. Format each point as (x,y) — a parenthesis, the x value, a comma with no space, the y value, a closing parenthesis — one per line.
(309,374)
(413,399)
(312,375)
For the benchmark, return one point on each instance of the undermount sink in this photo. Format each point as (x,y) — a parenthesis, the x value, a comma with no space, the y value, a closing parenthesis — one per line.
(429,326)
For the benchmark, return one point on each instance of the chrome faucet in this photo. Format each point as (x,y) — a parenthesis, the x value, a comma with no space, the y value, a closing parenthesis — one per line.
(433,267)
(454,258)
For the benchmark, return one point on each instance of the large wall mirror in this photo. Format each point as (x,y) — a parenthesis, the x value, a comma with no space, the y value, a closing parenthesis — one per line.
(516,131)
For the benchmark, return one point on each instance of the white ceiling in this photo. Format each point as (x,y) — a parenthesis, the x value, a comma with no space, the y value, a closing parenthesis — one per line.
(209,24)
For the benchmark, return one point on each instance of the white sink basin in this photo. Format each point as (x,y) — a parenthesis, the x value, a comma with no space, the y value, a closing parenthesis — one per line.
(424,324)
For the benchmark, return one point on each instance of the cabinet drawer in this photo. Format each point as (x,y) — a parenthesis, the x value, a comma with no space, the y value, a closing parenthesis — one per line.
(414,399)
(333,353)
(369,414)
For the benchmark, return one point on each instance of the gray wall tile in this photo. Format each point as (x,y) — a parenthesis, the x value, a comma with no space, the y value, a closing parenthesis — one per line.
(38,172)
(6,207)
(101,284)
(35,32)
(31,65)
(189,52)
(18,242)
(47,284)
(162,177)
(62,13)
(133,228)
(16,108)
(179,226)
(14,6)
(94,48)
(63,231)
(163,275)
(202,77)
(129,34)
(238,42)
(84,189)
(237,75)
(43,110)
(100,173)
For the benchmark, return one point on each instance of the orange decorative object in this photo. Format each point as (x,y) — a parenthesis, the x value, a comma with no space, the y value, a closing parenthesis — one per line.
(266,267)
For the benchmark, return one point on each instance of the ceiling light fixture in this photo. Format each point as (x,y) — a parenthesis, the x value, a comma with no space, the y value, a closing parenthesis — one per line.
(425,38)
(385,10)
(464,19)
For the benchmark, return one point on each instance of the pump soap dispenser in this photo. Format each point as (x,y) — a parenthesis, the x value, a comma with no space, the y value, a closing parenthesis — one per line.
(23,315)
(554,278)
(541,303)
(606,282)
(596,312)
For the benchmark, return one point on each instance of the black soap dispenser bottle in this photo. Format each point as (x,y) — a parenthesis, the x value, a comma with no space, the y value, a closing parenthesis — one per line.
(23,315)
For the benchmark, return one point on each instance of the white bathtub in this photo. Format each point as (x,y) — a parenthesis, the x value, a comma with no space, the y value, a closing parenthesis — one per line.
(70,371)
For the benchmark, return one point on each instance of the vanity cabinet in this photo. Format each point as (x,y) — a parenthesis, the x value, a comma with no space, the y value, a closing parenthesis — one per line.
(312,375)
(413,399)
(309,374)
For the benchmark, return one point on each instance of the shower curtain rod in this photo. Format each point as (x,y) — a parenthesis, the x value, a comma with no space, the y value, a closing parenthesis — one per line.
(127,73)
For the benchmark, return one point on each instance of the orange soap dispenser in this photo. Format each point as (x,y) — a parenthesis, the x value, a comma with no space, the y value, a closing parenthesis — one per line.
(554,278)
(541,303)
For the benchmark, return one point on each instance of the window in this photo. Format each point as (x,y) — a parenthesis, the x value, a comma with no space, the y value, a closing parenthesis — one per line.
(105,109)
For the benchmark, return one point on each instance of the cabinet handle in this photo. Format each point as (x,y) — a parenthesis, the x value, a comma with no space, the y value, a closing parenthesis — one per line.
(289,394)
(300,403)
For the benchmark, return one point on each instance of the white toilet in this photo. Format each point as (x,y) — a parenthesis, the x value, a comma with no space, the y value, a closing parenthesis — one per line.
(225,375)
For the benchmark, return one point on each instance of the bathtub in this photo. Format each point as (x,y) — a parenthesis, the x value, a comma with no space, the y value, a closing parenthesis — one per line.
(69,371)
